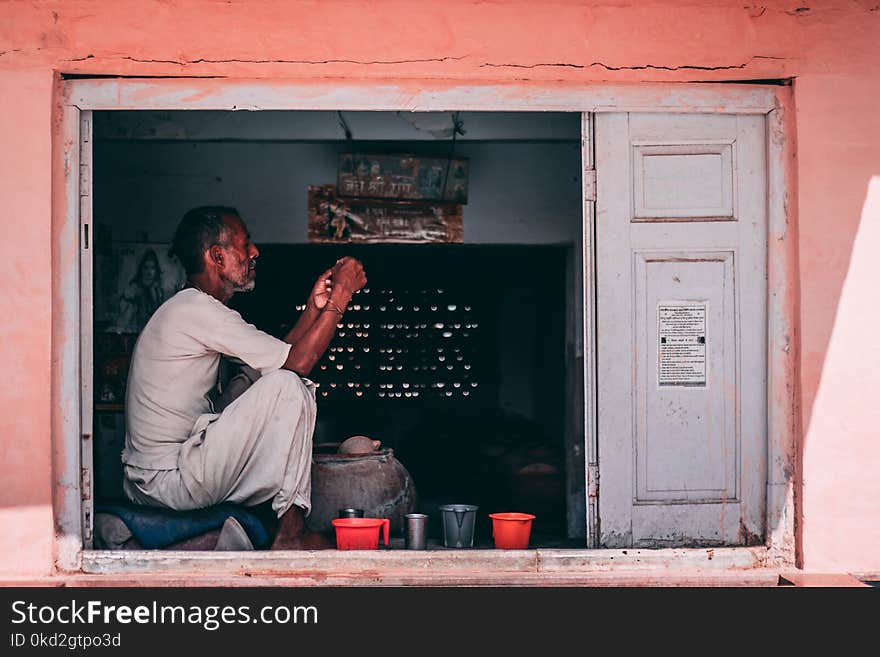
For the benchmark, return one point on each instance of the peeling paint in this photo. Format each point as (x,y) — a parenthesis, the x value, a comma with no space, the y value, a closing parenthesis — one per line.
(187,62)
(748,537)
(755,11)
(641,67)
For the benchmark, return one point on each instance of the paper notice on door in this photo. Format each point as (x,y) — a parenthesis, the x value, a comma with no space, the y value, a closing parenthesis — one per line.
(681,353)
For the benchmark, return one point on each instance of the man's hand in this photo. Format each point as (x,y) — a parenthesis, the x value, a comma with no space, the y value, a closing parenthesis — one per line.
(322,289)
(313,331)
(347,277)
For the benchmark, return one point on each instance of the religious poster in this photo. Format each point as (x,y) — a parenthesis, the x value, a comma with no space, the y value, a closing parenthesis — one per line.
(336,219)
(132,279)
(681,354)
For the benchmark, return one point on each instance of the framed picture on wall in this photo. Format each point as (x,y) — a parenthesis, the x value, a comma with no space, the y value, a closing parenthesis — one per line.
(132,279)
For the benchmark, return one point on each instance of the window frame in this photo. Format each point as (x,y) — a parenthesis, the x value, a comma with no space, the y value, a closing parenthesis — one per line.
(72,309)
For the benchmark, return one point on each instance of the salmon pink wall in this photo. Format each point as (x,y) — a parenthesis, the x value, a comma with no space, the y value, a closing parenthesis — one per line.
(829,48)
(839,207)
(25,316)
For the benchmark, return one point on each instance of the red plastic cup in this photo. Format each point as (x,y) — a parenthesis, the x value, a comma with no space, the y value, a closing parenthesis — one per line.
(360,533)
(511,531)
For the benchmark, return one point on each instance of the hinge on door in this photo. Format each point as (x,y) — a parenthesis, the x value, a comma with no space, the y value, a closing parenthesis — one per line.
(589,184)
(85,154)
(85,183)
(593,480)
(87,525)
(85,484)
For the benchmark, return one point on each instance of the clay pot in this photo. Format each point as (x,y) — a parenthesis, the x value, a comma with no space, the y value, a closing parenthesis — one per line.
(359,445)
(375,481)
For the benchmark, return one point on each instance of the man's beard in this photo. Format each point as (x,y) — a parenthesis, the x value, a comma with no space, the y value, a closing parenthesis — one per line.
(246,287)
(243,283)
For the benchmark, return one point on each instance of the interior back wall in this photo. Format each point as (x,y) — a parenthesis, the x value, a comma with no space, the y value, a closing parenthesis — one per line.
(519,192)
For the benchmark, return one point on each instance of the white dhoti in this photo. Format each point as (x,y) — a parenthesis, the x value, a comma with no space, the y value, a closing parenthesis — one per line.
(258,448)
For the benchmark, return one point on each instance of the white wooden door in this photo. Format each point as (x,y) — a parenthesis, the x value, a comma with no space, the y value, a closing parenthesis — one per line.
(681,329)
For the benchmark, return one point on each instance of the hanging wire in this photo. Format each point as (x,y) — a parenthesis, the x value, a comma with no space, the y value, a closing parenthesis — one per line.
(344,125)
(457,129)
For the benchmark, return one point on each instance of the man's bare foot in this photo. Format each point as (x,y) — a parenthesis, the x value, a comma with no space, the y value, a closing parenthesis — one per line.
(293,535)
(206,541)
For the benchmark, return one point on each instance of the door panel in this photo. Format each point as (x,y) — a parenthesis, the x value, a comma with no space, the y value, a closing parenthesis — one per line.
(681,329)
(706,194)
(674,291)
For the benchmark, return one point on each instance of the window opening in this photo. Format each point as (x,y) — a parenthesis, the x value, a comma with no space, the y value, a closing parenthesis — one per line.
(454,356)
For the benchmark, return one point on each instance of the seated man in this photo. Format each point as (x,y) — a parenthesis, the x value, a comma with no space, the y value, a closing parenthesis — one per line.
(182,455)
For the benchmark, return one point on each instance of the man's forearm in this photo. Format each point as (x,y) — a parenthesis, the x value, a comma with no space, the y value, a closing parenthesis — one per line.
(311,345)
(308,317)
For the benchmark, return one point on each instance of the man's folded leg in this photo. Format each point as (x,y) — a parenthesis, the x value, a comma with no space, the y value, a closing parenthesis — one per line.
(259,449)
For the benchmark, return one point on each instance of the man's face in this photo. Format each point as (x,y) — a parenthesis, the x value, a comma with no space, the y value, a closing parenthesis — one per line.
(148,273)
(239,270)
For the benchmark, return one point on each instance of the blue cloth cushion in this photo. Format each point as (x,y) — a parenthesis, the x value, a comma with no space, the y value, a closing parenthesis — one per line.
(156,528)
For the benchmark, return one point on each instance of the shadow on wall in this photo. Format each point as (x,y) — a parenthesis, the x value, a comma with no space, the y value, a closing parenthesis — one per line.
(853,321)
(840,453)
(833,204)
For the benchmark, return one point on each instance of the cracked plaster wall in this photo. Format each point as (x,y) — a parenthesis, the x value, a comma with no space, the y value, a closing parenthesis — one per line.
(830,48)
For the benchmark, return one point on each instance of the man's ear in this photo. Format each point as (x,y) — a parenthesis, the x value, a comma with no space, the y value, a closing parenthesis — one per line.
(215,255)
